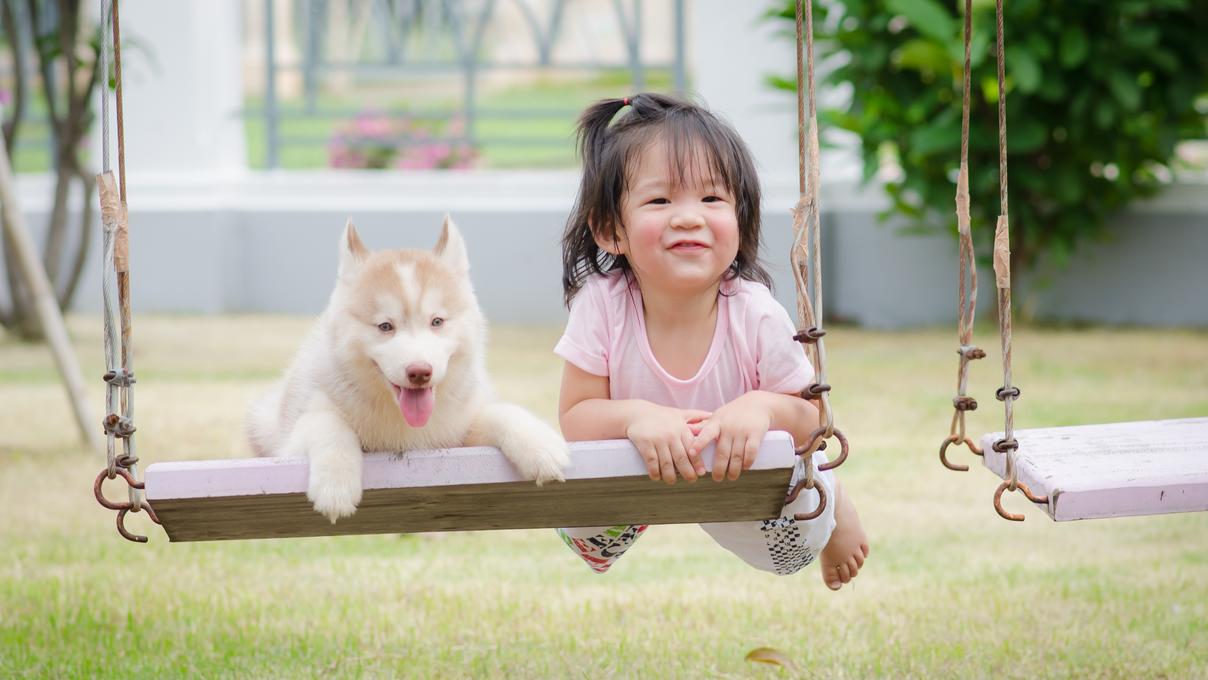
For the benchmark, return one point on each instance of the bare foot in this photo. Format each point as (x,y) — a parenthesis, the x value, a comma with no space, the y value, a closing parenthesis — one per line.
(844,554)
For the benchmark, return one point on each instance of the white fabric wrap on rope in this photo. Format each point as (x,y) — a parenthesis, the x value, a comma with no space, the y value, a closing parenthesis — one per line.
(107,193)
(967,298)
(113,220)
(1002,254)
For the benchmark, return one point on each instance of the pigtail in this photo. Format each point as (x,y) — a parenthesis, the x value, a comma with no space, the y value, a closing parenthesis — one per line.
(592,131)
(580,254)
(596,135)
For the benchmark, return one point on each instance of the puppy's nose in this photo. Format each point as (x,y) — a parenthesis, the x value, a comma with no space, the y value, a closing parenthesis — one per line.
(419,374)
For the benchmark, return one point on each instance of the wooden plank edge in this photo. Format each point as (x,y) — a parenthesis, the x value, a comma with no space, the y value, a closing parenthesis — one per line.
(1130,502)
(757,495)
(429,468)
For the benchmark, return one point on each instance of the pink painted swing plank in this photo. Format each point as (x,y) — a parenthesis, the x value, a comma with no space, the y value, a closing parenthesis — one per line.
(457,490)
(1112,470)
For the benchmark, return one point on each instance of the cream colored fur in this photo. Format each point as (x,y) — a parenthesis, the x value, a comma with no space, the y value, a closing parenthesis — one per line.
(335,401)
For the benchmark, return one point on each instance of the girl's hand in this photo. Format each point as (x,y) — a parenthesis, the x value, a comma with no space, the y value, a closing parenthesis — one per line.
(663,435)
(738,428)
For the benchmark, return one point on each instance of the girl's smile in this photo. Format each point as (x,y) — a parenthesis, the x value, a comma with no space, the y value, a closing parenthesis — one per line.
(688,246)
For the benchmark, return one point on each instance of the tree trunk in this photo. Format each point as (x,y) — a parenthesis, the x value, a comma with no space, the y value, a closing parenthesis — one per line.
(20,312)
(8,23)
(88,181)
(16,293)
(68,83)
(52,254)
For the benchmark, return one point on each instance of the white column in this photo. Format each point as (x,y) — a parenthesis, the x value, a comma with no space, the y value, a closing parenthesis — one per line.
(732,49)
(182,88)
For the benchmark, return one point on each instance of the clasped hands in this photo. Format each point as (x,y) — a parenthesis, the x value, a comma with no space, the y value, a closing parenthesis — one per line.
(671,440)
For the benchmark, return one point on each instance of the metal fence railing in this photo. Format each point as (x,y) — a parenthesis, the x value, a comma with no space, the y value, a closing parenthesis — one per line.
(407,43)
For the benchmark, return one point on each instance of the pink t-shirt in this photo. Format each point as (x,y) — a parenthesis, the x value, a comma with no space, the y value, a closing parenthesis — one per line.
(753,346)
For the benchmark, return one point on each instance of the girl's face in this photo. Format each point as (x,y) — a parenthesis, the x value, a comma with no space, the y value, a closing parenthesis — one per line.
(679,238)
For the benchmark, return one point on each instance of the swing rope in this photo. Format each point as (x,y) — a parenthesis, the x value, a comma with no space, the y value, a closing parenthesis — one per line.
(967,303)
(1008,393)
(806,257)
(115,272)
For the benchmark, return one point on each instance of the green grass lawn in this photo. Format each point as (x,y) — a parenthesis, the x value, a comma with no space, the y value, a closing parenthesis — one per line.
(950,590)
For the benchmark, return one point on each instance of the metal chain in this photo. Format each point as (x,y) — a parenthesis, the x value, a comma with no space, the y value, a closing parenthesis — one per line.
(967,303)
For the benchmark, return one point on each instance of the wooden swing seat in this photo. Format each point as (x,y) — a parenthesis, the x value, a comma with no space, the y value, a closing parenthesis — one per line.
(461,489)
(1115,470)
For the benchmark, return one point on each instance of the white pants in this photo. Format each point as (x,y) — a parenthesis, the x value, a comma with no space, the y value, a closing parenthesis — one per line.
(782,546)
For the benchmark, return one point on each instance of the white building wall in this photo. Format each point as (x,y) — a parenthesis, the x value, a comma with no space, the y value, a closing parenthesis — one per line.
(209,236)
(733,49)
(182,89)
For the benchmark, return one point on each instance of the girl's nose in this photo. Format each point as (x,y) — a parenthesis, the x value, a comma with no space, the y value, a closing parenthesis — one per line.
(687,218)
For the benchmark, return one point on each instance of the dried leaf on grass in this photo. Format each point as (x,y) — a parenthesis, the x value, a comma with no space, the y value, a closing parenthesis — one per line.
(772,657)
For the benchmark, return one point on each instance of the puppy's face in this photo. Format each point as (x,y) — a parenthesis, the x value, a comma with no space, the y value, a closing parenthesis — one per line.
(409,312)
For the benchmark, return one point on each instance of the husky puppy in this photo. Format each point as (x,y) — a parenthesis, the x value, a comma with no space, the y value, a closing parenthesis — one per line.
(395,363)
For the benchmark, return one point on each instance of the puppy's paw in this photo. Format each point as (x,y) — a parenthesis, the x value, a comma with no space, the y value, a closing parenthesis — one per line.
(334,493)
(539,453)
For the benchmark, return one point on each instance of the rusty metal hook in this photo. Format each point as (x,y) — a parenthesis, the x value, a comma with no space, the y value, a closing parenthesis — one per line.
(125,507)
(806,516)
(956,439)
(100,496)
(816,443)
(121,521)
(1002,512)
(807,483)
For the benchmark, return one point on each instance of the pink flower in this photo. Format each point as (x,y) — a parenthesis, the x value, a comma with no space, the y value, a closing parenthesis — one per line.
(372,125)
(375,140)
(407,163)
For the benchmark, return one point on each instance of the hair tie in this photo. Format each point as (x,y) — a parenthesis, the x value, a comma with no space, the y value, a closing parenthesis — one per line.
(625,101)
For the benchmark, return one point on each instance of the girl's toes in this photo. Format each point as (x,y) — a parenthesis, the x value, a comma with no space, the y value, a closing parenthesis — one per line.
(830,575)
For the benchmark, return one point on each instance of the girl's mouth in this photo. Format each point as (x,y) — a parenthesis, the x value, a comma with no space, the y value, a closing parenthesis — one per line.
(688,246)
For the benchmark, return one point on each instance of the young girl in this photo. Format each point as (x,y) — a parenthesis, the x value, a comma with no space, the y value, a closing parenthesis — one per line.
(674,340)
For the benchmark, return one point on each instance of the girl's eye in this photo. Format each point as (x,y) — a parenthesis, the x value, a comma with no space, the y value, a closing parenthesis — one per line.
(385,327)
(659,201)
(713,199)
(437,322)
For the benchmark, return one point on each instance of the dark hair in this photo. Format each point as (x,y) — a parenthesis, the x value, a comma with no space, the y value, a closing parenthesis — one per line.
(610,149)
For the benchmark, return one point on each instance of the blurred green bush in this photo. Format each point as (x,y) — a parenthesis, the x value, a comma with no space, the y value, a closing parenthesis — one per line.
(1098,96)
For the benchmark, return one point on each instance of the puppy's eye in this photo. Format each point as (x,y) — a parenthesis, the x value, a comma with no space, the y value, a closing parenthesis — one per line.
(437,322)
(385,327)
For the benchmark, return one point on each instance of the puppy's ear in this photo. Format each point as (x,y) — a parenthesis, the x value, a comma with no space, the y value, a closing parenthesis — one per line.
(451,248)
(352,251)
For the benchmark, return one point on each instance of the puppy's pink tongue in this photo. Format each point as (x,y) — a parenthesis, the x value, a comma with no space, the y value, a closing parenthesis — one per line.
(416,405)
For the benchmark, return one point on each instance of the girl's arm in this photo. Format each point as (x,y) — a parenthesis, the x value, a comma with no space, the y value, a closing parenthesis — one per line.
(585,411)
(661,434)
(789,412)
